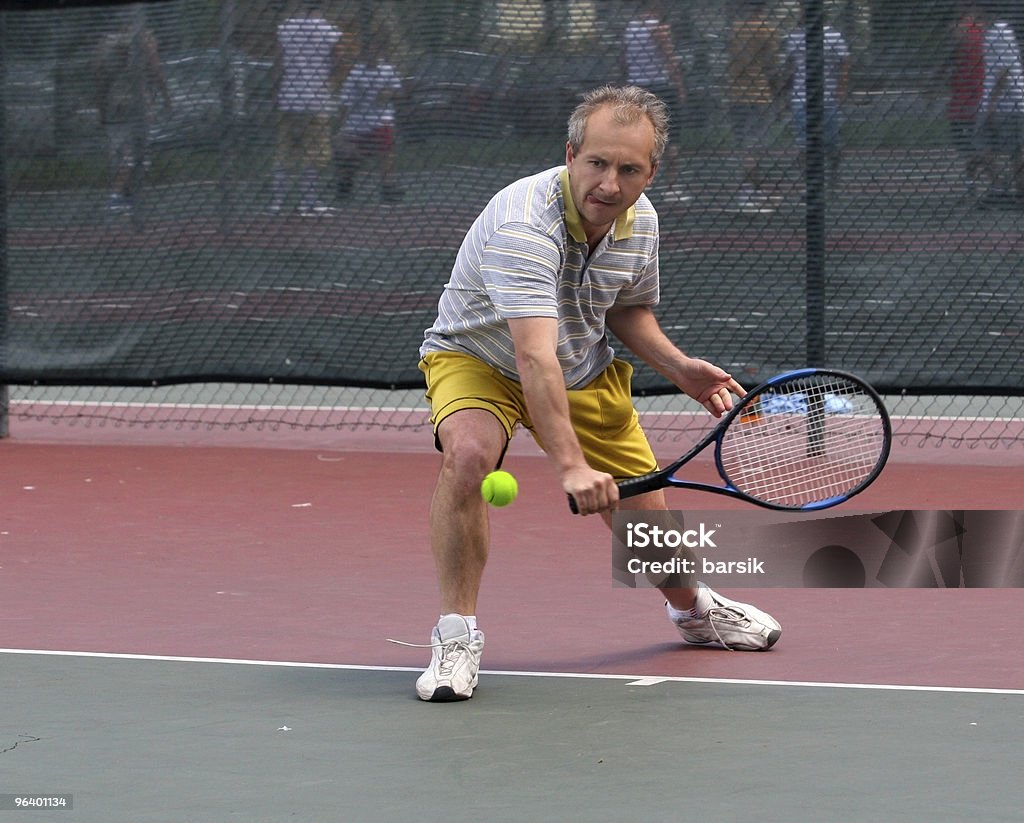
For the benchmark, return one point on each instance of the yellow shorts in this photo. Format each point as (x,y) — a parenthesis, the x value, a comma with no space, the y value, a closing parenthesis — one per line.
(602,412)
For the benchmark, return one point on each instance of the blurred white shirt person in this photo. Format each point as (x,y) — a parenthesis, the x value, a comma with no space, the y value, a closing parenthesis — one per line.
(305,70)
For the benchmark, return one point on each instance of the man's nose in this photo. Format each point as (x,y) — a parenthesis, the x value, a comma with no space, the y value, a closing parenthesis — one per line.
(610,181)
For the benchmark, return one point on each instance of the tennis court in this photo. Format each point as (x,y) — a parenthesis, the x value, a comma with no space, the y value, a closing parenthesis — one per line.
(196,625)
(215,489)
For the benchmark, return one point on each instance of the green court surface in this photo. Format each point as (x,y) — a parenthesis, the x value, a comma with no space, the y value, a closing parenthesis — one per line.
(136,740)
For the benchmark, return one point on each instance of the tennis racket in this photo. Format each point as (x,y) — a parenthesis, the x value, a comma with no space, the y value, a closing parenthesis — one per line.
(804,440)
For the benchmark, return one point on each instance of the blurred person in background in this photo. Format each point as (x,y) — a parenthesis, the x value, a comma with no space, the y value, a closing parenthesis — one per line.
(519,24)
(651,62)
(367,115)
(581,26)
(1002,115)
(128,72)
(308,68)
(754,81)
(837,85)
(966,82)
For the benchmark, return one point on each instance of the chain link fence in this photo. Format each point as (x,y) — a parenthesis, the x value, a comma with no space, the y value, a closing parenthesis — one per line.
(842,190)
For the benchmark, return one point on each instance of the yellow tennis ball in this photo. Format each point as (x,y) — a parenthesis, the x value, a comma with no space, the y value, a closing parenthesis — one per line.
(499,488)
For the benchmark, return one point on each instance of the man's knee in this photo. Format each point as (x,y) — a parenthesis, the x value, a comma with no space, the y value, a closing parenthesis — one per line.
(473,443)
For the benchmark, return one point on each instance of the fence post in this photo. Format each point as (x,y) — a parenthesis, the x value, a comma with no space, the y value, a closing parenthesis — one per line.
(4,305)
(814,33)
(227,124)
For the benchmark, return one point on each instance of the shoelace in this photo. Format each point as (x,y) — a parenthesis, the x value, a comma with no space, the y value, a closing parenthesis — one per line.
(727,615)
(449,649)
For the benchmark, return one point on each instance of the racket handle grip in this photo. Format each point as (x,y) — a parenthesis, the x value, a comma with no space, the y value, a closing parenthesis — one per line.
(633,486)
(630,487)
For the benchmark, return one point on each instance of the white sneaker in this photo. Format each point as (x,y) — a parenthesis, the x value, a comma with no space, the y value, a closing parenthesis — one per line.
(454,661)
(735,626)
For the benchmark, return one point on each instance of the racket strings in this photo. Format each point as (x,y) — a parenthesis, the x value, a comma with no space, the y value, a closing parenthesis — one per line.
(804,443)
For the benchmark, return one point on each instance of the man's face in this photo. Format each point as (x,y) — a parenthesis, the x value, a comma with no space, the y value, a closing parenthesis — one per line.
(611,169)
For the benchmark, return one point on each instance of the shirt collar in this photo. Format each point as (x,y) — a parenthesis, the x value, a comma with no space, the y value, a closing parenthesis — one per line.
(622,229)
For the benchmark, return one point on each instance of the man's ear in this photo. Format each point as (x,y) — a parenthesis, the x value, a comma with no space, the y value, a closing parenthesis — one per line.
(654,172)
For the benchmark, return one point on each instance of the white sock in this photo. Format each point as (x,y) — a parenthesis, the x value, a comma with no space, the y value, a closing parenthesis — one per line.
(698,610)
(469,618)
(682,614)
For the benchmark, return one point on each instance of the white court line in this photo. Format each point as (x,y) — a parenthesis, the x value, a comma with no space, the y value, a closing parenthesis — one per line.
(632,679)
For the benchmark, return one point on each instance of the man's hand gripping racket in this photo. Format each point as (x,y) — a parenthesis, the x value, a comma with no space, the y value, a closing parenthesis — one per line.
(804,440)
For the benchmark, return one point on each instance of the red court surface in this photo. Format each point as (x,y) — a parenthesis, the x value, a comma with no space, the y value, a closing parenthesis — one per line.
(312,547)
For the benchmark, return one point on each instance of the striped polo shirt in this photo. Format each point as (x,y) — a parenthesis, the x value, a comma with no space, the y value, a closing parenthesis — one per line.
(526,255)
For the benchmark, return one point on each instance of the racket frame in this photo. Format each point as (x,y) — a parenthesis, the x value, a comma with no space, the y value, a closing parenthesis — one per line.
(665,478)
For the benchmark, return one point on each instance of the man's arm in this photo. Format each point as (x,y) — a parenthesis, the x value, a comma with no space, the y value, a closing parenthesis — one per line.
(998,50)
(155,66)
(535,340)
(843,85)
(662,35)
(343,57)
(277,71)
(640,332)
(998,90)
(102,85)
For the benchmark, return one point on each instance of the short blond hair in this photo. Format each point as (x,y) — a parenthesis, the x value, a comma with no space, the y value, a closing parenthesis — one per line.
(629,104)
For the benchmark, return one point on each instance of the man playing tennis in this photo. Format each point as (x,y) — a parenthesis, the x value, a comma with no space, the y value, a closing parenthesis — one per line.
(553,263)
